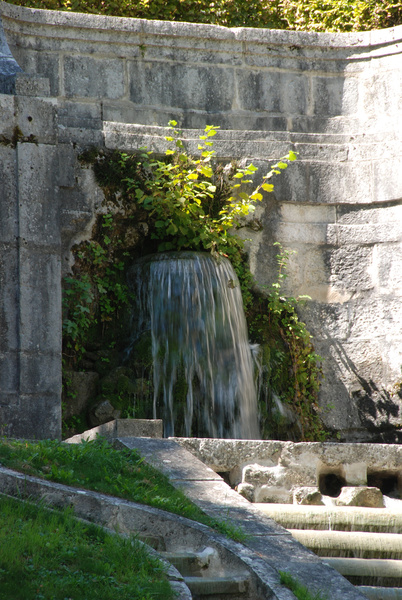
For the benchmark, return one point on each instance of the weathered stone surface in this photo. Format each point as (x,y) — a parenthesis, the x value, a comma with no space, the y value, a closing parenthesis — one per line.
(327,466)
(117,82)
(360,496)
(308,496)
(149,428)
(103,412)
(274,493)
(247,491)
(81,387)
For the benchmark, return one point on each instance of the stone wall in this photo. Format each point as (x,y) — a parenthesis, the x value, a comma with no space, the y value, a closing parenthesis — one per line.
(271,471)
(110,82)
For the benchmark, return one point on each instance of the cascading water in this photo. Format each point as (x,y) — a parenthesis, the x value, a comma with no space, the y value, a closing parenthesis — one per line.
(193,306)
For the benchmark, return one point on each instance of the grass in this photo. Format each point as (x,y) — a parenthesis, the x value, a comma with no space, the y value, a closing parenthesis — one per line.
(49,555)
(97,466)
(300,591)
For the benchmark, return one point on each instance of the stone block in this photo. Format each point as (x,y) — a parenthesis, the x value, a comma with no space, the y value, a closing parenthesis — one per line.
(103,412)
(40,374)
(80,388)
(90,77)
(7,118)
(307,496)
(123,428)
(350,268)
(339,412)
(327,321)
(9,373)
(355,473)
(79,115)
(83,138)
(388,266)
(274,494)
(45,64)
(181,86)
(360,496)
(380,93)
(296,213)
(247,491)
(67,164)
(40,301)
(31,85)
(375,318)
(387,180)
(8,195)
(9,404)
(9,316)
(39,206)
(39,417)
(302,233)
(327,95)
(373,233)
(293,185)
(368,215)
(259,91)
(259,475)
(36,118)
(272,91)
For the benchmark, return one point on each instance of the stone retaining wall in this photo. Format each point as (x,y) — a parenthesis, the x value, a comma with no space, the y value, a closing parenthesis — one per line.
(273,470)
(110,82)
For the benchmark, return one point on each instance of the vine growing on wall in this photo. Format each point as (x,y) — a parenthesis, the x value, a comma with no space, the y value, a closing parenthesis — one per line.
(184,203)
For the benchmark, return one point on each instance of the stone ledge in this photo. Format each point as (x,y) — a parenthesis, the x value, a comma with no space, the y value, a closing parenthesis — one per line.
(149,428)
(102,25)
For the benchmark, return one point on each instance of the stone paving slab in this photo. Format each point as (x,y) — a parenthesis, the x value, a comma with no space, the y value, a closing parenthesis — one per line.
(159,453)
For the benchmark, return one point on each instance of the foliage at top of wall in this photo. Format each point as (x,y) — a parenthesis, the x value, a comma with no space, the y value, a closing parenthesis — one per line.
(305,15)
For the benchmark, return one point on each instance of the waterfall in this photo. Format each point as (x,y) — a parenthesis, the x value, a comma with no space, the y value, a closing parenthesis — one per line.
(193,306)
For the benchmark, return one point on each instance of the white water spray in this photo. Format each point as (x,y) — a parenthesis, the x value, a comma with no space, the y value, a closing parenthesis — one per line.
(192,303)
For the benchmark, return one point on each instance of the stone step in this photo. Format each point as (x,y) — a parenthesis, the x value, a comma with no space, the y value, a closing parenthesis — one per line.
(361,567)
(354,544)
(380,593)
(345,518)
(216,588)
(193,563)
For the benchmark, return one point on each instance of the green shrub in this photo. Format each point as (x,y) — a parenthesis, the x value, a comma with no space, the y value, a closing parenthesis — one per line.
(307,15)
(341,15)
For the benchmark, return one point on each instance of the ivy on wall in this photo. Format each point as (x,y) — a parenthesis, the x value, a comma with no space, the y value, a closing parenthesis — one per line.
(178,202)
(305,15)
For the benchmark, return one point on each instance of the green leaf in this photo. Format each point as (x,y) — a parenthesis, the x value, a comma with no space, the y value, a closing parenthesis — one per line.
(256,196)
(172,229)
(267,187)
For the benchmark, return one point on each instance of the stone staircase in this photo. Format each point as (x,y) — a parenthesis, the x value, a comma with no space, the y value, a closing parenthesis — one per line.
(197,569)
(362,544)
(203,572)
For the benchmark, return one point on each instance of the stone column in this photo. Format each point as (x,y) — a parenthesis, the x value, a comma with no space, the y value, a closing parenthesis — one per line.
(30,281)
